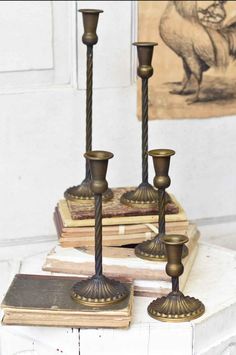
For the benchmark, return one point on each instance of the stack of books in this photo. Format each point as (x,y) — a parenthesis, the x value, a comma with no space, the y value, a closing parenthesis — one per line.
(149,277)
(123,228)
(122,225)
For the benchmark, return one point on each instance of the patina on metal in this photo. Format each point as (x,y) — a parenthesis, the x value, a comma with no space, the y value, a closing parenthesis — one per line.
(98,290)
(144,195)
(155,249)
(83,192)
(175,307)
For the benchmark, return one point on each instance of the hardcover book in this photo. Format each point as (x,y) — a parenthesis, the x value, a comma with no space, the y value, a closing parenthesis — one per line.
(78,216)
(112,235)
(114,208)
(45,301)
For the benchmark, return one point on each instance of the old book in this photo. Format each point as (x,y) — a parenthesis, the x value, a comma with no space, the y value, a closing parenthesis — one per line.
(110,230)
(148,276)
(114,208)
(45,301)
(74,239)
(68,221)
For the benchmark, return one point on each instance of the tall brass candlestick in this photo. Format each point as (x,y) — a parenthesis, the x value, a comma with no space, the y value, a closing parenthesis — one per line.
(144,195)
(155,249)
(98,290)
(83,192)
(175,307)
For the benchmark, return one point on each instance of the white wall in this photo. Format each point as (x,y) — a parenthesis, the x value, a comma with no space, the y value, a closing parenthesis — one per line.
(203,170)
(42,129)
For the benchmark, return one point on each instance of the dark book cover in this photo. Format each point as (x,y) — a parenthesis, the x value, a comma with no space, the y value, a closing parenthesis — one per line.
(114,208)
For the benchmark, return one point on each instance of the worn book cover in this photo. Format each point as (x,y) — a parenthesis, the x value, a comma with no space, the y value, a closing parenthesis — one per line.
(68,221)
(46,301)
(114,208)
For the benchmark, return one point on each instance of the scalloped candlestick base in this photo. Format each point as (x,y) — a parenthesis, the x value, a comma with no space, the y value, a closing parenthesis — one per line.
(83,193)
(99,291)
(155,250)
(176,307)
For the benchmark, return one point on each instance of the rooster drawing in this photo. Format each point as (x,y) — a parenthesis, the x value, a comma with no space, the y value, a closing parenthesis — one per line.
(200,47)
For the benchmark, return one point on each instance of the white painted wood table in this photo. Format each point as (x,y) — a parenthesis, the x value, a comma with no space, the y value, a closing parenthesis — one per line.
(212,279)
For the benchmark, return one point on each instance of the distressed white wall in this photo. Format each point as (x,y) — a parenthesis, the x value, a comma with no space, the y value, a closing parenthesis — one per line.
(42,125)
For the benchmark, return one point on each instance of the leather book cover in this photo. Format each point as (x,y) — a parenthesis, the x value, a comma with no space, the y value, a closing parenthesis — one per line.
(114,208)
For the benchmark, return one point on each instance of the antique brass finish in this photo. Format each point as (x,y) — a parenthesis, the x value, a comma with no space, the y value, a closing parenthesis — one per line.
(155,249)
(175,307)
(83,192)
(90,22)
(98,290)
(144,195)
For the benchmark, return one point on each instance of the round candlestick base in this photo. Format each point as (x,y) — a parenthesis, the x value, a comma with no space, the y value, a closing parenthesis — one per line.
(99,291)
(154,250)
(84,194)
(176,307)
(144,196)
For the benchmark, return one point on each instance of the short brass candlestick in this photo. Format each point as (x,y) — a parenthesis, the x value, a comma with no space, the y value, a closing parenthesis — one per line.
(155,249)
(83,192)
(98,290)
(144,195)
(175,307)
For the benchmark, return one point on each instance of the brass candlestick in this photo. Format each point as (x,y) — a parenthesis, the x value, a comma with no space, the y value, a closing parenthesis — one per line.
(98,290)
(83,192)
(144,195)
(175,307)
(155,249)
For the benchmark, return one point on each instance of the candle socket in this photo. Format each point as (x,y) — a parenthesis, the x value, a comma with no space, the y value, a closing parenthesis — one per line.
(98,290)
(83,192)
(155,249)
(90,22)
(175,307)
(144,195)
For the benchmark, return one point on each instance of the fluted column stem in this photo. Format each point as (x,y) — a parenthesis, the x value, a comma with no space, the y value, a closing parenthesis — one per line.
(98,234)
(89,100)
(144,130)
(161,199)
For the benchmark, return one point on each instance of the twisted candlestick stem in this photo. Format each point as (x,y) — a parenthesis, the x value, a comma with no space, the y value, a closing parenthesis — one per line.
(98,234)
(162,212)
(89,99)
(145,130)
(175,284)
